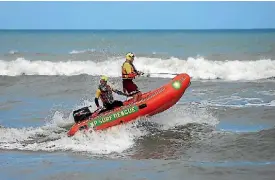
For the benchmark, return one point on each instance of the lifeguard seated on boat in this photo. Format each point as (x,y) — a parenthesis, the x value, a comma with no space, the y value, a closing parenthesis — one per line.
(105,93)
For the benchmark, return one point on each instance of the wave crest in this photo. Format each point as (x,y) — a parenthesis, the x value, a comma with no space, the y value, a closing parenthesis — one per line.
(197,68)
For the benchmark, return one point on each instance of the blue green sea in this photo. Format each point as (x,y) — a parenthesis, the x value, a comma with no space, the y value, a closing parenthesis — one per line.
(222,127)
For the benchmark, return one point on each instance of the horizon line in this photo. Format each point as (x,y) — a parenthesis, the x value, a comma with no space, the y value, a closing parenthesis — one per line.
(7,29)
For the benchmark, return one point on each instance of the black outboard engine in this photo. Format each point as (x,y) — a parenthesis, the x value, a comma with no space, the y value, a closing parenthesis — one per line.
(81,114)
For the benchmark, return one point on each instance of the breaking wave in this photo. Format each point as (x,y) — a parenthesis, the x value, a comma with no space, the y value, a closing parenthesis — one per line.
(197,68)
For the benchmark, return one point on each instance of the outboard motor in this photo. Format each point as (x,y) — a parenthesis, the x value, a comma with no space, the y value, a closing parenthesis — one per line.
(81,114)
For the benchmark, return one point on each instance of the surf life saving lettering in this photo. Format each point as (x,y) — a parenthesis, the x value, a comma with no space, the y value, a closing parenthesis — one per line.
(153,94)
(101,120)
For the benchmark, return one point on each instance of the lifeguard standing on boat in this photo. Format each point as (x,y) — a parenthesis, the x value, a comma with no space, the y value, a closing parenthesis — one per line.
(129,73)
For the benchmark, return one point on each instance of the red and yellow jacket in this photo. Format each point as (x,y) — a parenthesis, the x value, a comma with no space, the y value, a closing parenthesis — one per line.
(128,71)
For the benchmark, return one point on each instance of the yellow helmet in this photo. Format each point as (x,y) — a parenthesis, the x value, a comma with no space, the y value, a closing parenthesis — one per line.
(105,78)
(130,56)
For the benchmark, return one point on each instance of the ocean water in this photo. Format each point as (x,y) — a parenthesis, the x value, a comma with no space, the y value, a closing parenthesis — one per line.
(222,127)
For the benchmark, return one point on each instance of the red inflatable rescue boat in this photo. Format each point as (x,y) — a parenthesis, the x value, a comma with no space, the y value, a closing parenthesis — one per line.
(152,102)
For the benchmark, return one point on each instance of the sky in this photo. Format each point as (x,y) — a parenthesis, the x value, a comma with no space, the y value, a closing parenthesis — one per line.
(137,15)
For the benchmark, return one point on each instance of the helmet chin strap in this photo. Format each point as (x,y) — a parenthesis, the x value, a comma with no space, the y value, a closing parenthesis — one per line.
(103,86)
